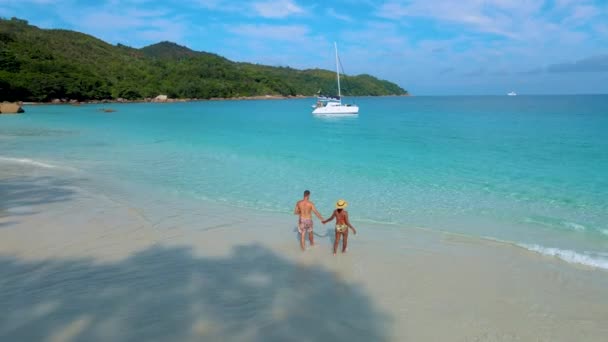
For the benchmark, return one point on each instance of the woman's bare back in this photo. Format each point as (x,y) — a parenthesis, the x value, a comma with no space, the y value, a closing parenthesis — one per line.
(341,216)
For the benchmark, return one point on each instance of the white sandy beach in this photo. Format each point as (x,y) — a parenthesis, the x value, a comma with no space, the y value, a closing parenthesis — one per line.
(78,265)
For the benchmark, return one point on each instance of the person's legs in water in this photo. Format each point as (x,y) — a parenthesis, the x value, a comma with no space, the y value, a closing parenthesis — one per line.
(337,241)
(311,238)
(344,241)
(302,240)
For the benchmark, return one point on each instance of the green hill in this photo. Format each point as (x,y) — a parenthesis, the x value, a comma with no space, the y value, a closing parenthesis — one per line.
(40,65)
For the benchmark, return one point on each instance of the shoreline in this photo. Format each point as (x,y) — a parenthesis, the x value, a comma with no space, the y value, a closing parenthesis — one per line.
(407,280)
(265,215)
(171,100)
(569,257)
(168,100)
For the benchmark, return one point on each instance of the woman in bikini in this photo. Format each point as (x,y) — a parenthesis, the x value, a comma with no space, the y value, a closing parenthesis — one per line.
(342,225)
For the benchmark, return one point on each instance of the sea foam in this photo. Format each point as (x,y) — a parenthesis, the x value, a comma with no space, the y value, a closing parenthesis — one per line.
(27,161)
(590,259)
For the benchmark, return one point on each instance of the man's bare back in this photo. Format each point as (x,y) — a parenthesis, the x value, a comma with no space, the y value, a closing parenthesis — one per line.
(304,209)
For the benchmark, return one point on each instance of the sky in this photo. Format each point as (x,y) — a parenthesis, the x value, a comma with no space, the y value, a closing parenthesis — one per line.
(429,47)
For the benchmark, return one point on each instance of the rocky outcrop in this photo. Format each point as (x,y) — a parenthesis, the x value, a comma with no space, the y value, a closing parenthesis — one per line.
(10,108)
(161,98)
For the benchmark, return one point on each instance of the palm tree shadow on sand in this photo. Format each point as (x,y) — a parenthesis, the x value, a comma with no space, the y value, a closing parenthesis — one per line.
(22,196)
(168,294)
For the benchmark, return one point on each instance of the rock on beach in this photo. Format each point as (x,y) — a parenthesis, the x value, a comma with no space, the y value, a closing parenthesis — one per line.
(10,108)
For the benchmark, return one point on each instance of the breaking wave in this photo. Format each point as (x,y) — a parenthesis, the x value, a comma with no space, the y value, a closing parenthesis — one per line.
(27,161)
(589,259)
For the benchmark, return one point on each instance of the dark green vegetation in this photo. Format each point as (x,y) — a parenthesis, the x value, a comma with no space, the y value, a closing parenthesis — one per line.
(41,65)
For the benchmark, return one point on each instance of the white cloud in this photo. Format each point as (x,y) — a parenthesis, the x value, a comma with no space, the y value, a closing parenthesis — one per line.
(601,29)
(281,45)
(565,3)
(34,2)
(109,19)
(386,35)
(580,14)
(129,25)
(274,32)
(340,16)
(277,9)
(219,5)
(210,3)
(509,19)
(472,13)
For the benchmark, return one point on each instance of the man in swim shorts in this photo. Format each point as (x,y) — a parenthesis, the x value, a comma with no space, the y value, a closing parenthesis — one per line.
(304,209)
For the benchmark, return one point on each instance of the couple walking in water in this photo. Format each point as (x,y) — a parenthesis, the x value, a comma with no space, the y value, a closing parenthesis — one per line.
(305,208)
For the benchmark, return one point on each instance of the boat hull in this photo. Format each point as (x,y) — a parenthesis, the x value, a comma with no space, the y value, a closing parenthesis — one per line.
(336,110)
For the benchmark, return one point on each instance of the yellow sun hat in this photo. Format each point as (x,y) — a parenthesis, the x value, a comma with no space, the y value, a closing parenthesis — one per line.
(341,204)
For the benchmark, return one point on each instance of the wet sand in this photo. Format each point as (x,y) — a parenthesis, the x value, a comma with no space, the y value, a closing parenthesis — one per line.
(82,265)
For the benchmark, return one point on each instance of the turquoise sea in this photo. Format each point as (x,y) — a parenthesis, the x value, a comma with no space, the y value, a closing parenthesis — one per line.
(530,170)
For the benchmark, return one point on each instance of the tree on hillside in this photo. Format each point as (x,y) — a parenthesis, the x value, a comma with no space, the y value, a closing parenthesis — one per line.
(41,65)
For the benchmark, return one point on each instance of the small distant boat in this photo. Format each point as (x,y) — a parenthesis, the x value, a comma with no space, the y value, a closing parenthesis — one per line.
(512,93)
(329,105)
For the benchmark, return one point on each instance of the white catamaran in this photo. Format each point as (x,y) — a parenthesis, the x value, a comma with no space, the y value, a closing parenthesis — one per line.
(333,105)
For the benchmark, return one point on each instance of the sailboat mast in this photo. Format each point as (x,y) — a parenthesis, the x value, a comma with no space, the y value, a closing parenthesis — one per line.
(338,71)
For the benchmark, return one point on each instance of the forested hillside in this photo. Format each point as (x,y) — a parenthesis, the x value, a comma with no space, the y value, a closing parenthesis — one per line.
(41,65)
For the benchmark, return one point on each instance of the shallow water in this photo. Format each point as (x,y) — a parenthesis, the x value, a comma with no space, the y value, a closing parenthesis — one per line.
(532,170)
(88,257)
